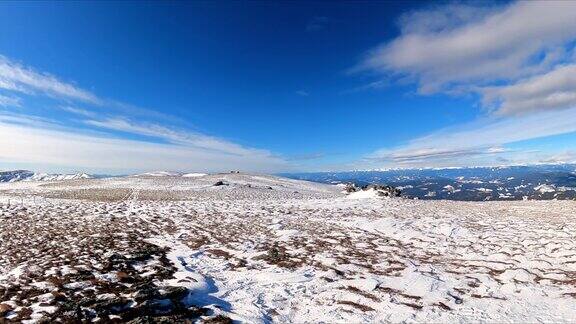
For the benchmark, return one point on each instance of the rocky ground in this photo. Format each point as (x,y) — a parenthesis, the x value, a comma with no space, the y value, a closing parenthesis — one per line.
(251,248)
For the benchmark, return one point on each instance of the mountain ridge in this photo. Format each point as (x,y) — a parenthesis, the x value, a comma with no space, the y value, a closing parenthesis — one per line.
(26,175)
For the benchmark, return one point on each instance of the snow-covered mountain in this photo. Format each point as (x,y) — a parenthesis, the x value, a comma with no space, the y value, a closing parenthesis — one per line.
(58,177)
(25,175)
(16,175)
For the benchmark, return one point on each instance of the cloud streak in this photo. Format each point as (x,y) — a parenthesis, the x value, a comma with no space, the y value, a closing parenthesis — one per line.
(6,101)
(426,155)
(18,78)
(317,23)
(179,137)
(27,143)
(463,145)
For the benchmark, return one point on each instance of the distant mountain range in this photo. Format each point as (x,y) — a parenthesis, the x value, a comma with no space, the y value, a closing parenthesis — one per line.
(169,174)
(25,175)
(541,182)
(545,182)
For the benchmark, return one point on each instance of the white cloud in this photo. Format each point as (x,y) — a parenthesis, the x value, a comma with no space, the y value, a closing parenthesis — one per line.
(455,47)
(79,111)
(179,137)
(413,156)
(566,156)
(443,18)
(16,77)
(19,119)
(553,90)
(374,85)
(30,144)
(9,101)
(473,143)
(519,58)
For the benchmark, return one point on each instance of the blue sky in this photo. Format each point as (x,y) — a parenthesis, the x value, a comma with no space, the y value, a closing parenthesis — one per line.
(118,87)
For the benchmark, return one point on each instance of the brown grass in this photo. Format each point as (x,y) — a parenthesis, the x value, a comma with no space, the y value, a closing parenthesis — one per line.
(361,307)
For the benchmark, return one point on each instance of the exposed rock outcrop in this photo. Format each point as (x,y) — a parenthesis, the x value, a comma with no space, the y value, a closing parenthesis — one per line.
(382,190)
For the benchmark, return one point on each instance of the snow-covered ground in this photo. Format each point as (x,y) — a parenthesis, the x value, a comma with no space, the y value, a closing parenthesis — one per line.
(258,248)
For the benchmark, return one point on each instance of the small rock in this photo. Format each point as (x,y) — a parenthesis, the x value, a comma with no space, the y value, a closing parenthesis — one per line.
(350,187)
(24,313)
(109,305)
(4,309)
(122,276)
(219,319)
(174,293)
(383,190)
(58,296)
(146,292)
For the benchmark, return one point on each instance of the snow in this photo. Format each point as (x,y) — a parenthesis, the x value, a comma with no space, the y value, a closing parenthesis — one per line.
(193,175)
(159,174)
(170,174)
(23,175)
(58,177)
(544,188)
(363,194)
(265,249)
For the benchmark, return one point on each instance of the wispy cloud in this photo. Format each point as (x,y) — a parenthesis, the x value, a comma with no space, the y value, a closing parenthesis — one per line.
(25,80)
(566,156)
(16,77)
(307,156)
(317,23)
(374,85)
(79,111)
(7,101)
(465,144)
(179,137)
(46,147)
(19,119)
(415,156)
(95,141)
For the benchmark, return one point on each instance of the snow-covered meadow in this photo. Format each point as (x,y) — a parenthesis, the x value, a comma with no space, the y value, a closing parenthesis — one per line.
(265,249)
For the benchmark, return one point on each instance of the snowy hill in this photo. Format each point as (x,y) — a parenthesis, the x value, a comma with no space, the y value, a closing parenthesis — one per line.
(186,187)
(158,174)
(25,175)
(266,249)
(169,174)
